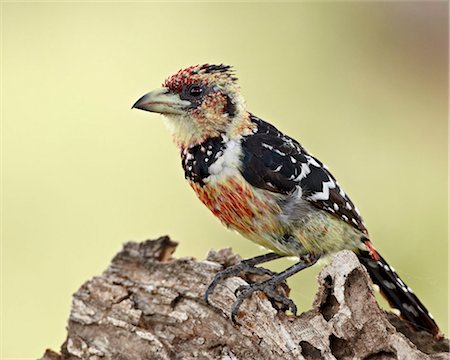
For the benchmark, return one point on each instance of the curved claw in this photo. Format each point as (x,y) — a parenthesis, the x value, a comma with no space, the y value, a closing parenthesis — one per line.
(245,291)
(217,279)
(294,309)
(206,295)
(235,309)
(209,290)
(287,302)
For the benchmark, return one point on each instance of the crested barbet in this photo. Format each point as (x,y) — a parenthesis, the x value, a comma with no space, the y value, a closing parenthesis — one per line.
(266,186)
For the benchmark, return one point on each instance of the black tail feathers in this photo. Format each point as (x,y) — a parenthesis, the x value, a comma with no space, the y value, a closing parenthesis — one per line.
(397,293)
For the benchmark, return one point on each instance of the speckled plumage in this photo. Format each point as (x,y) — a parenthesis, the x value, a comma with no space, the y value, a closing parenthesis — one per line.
(264,184)
(266,205)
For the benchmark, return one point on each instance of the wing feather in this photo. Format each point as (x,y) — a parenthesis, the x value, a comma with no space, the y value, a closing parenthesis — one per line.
(277,163)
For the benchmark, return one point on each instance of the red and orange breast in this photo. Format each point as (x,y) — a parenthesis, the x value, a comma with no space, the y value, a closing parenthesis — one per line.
(236,204)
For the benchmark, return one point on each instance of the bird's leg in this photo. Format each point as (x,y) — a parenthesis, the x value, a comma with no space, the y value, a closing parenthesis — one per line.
(247,266)
(269,286)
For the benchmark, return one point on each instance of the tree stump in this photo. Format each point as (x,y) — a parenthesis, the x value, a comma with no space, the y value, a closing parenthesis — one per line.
(148,305)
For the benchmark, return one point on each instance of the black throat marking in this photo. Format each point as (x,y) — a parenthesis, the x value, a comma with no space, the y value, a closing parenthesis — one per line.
(197,159)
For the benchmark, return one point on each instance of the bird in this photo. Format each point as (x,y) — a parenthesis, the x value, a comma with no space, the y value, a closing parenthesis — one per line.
(266,186)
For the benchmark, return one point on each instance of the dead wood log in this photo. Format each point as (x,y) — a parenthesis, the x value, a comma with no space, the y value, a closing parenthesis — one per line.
(148,305)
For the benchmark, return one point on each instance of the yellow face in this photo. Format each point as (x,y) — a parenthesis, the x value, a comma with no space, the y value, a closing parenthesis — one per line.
(198,102)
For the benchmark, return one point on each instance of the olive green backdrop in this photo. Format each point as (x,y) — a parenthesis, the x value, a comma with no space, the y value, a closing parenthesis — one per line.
(362,85)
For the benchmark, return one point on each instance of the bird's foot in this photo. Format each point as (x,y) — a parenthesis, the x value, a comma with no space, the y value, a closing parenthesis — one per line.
(268,287)
(245,266)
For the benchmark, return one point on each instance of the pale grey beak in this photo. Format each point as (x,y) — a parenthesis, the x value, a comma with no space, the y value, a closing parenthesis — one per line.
(162,101)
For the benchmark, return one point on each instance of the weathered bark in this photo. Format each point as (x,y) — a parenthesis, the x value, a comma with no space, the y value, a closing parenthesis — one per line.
(147,305)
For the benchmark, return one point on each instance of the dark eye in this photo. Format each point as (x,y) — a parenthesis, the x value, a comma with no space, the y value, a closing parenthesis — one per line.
(195,90)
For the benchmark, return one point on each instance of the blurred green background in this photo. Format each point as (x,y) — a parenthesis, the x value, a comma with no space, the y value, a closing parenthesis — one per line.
(363,86)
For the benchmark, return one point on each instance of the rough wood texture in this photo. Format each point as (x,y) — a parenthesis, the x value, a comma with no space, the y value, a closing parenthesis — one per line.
(147,305)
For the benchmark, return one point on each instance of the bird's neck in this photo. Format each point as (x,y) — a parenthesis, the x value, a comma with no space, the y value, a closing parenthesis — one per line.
(186,133)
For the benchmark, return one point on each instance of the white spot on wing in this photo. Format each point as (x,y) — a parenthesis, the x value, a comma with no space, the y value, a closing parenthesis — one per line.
(400,282)
(304,171)
(313,161)
(279,152)
(325,193)
(278,168)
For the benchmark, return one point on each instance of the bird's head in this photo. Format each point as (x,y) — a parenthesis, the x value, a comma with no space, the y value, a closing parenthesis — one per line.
(199,102)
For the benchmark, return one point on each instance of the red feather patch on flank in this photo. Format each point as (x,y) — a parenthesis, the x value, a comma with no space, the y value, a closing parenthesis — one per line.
(372,251)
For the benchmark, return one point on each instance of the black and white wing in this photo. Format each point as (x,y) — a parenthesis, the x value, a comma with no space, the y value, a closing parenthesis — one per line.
(277,163)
